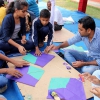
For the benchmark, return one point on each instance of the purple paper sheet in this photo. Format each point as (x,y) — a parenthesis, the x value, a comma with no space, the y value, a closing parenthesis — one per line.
(64,94)
(26,79)
(43,59)
(56,50)
(73,91)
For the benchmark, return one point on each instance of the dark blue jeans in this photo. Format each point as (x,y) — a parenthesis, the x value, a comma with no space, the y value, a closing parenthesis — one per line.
(42,33)
(5,46)
(1,61)
(3,79)
(73,55)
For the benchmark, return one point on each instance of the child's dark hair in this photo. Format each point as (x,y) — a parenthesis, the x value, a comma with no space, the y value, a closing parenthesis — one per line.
(88,22)
(19,5)
(1,3)
(45,13)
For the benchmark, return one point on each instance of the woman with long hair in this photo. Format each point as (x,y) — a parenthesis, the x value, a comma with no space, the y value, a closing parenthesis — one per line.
(13,29)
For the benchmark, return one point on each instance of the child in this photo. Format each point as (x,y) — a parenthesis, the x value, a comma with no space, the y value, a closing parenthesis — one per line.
(2,11)
(41,27)
(95,79)
(11,71)
(13,29)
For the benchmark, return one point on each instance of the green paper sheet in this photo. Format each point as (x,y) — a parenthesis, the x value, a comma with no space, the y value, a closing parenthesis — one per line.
(56,83)
(37,75)
(34,69)
(30,58)
(35,72)
(74,48)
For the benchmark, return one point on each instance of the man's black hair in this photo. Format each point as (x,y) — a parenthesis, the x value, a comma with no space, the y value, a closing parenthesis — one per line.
(19,5)
(45,13)
(88,22)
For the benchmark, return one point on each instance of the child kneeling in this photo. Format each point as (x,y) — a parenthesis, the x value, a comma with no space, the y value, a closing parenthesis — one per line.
(41,27)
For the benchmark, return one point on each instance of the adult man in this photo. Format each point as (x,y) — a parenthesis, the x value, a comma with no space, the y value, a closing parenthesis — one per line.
(90,35)
(58,20)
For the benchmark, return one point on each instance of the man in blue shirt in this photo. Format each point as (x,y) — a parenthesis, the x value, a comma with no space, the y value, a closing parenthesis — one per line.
(90,35)
(41,27)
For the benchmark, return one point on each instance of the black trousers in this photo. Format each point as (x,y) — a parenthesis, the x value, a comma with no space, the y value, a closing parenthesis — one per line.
(5,46)
(57,27)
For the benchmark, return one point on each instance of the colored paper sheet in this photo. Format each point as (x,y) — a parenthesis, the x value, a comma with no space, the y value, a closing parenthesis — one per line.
(56,51)
(73,91)
(76,87)
(29,79)
(35,72)
(37,75)
(56,83)
(34,69)
(26,79)
(43,59)
(64,94)
(30,58)
(38,60)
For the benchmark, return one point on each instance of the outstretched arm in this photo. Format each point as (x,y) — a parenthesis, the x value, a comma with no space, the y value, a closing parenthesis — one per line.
(11,60)
(11,71)
(64,44)
(77,64)
(91,78)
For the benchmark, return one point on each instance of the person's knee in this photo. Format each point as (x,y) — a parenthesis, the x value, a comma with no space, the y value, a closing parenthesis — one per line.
(97,73)
(88,69)
(67,52)
(3,81)
(30,44)
(45,29)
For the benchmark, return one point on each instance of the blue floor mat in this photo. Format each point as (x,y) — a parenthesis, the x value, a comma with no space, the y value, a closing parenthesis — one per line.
(71,27)
(76,15)
(12,92)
